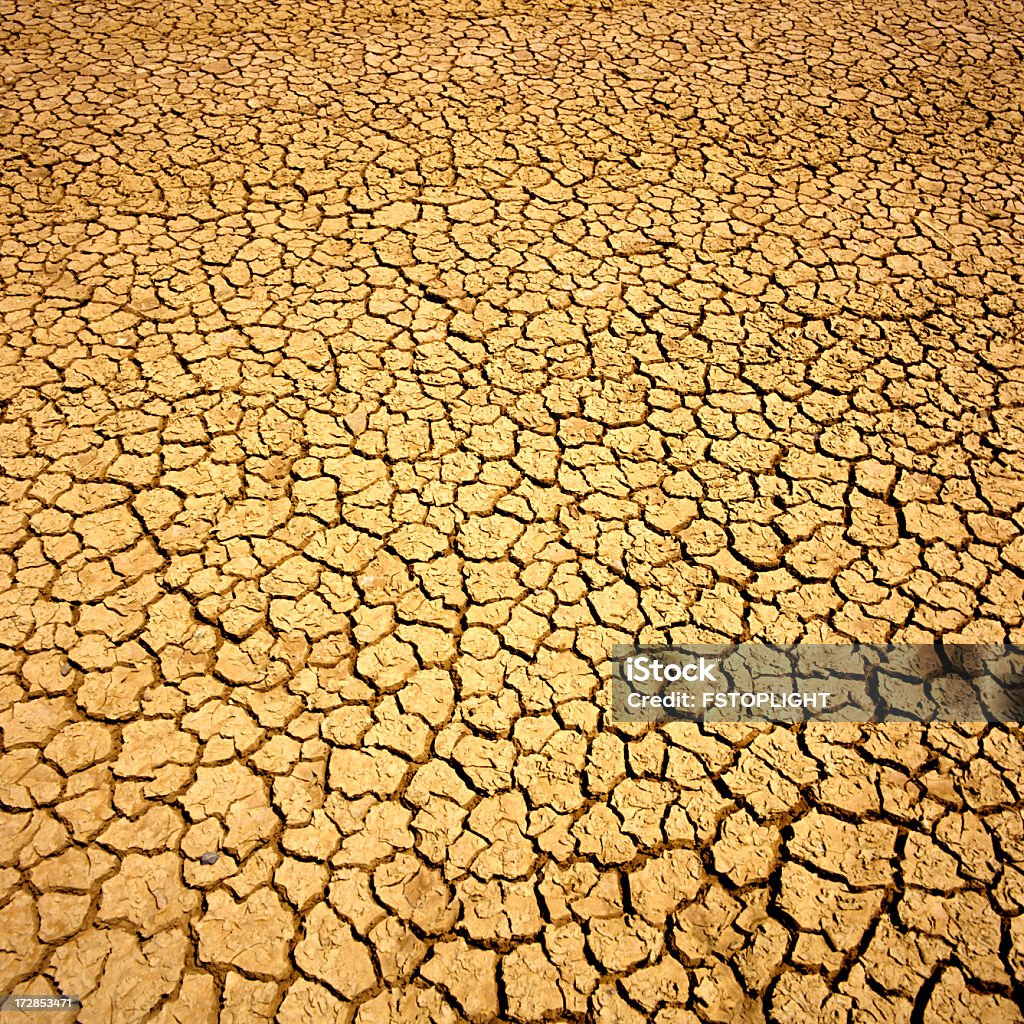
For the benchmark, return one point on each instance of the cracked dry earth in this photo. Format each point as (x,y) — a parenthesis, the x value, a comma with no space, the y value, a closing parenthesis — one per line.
(371,371)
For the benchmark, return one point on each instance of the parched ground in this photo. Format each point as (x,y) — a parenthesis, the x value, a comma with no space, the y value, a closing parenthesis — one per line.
(369,371)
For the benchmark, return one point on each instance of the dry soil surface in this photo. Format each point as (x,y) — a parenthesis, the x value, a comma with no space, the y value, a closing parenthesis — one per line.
(369,372)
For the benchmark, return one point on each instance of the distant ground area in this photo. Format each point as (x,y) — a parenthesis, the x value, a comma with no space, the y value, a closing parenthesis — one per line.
(369,371)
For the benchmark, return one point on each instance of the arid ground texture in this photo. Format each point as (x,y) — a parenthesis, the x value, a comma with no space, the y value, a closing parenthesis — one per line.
(369,371)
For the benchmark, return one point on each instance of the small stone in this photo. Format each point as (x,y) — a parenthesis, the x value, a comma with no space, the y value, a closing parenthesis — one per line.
(356,421)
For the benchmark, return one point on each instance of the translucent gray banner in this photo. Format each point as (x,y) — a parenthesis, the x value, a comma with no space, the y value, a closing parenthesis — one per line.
(788,683)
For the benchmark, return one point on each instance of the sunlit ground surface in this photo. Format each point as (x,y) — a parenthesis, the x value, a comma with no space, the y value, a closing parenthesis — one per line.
(369,372)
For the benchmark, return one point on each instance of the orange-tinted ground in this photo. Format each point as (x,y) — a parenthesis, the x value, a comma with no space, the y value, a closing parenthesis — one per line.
(368,372)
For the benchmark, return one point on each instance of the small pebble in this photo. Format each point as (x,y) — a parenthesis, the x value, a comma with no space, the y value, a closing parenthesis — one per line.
(209,858)
(356,421)
(65,668)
